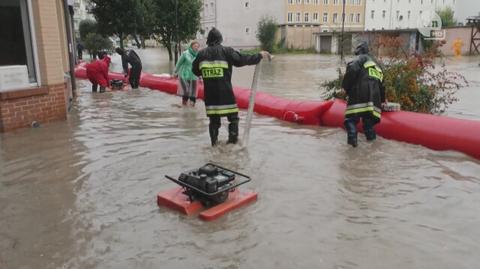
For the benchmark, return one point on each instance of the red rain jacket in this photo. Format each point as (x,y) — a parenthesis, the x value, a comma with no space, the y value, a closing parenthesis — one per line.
(97,71)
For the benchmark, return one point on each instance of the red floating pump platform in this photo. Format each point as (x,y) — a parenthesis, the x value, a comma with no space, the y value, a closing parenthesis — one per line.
(210,190)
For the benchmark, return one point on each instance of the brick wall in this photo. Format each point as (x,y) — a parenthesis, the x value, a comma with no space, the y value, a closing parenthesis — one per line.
(19,109)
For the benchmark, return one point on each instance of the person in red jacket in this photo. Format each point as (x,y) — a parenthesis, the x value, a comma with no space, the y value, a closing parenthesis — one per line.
(97,72)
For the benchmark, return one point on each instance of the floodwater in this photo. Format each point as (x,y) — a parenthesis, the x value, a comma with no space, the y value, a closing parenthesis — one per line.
(81,193)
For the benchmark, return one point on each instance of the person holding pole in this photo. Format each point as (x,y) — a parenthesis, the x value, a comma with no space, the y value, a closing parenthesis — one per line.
(214,65)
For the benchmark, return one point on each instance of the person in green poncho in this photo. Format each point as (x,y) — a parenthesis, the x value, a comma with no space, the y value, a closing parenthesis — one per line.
(187,80)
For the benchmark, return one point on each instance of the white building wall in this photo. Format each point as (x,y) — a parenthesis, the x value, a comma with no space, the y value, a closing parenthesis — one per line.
(400,14)
(238,19)
(80,13)
(466,8)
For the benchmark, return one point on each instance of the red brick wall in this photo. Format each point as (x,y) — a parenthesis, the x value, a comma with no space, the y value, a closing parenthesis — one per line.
(19,109)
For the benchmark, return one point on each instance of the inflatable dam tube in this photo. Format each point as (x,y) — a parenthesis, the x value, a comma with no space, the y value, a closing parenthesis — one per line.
(435,132)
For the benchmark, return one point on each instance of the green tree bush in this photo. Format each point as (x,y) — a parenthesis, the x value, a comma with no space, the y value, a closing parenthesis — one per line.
(266,30)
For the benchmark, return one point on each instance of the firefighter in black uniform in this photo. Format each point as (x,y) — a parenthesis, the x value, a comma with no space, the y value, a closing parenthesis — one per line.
(131,57)
(363,83)
(214,65)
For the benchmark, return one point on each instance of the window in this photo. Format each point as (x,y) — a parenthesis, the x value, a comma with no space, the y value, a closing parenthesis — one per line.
(298,2)
(384,13)
(306,2)
(335,17)
(17,43)
(325,2)
(247,30)
(421,2)
(335,2)
(408,14)
(298,17)
(316,2)
(247,4)
(325,17)
(290,17)
(315,17)
(290,2)
(306,17)
(398,14)
(351,17)
(372,14)
(357,18)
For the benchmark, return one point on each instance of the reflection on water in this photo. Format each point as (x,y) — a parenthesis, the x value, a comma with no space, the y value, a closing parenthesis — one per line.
(81,193)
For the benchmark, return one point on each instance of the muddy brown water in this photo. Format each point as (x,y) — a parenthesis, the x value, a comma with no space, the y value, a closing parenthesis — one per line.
(81,193)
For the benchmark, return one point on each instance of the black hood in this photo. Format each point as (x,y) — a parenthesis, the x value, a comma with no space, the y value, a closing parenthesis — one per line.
(362,48)
(214,37)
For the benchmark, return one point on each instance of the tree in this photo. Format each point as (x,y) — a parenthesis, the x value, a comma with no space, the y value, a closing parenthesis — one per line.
(121,17)
(94,43)
(86,27)
(446,15)
(176,21)
(266,30)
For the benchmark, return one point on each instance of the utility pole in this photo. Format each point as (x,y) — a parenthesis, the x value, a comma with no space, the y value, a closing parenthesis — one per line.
(176,32)
(343,30)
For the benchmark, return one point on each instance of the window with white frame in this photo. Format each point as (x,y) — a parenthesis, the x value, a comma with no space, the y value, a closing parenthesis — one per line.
(351,17)
(357,18)
(384,13)
(247,4)
(335,17)
(290,17)
(335,2)
(306,17)
(325,2)
(298,2)
(306,1)
(315,17)
(316,2)
(290,2)
(397,14)
(298,17)
(247,30)
(325,17)
(372,14)
(17,45)
(408,14)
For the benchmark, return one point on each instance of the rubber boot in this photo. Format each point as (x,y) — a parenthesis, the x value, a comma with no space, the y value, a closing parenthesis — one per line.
(94,87)
(370,134)
(102,89)
(213,130)
(351,128)
(233,129)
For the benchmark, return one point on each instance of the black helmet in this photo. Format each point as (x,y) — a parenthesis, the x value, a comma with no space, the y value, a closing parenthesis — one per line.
(362,48)
(214,37)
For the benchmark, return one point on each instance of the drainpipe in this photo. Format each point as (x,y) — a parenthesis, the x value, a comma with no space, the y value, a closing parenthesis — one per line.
(68,15)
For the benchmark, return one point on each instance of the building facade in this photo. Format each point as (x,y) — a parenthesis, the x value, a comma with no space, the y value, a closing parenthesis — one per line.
(82,12)
(35,61)
(237,20)
(318,21)
(401,14)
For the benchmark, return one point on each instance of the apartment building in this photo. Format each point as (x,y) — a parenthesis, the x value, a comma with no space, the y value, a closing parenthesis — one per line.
(82,12)
(316,23)
(36,61)
(401,14)
(238,19)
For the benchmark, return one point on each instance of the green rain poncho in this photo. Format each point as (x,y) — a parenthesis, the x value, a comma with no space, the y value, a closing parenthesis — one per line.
(184,65)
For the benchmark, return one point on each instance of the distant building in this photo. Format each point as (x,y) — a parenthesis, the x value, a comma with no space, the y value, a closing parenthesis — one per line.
(238,19)
(401,14)
(466,8)
(313,23)
(81,12)
(36,62)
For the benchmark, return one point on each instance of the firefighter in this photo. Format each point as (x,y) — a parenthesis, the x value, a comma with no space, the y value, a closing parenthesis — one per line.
(214,65)
(363,83)
(97,72)
(131,57)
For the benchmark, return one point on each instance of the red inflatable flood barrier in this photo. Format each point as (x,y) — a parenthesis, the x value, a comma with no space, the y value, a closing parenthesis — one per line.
(432,131)
(435,132)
